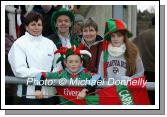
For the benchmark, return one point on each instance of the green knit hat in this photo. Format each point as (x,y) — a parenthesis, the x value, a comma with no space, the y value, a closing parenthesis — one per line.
(113,25)
(56,14)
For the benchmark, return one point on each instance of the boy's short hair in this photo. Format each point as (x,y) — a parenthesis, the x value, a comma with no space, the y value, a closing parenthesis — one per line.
(70,55)
(90,22)
(32,16)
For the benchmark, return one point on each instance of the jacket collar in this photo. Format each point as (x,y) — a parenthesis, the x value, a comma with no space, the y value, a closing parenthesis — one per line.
(79,70)
(98,40)
(33,37)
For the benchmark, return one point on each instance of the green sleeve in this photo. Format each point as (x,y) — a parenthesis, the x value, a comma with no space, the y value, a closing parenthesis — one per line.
(52,75)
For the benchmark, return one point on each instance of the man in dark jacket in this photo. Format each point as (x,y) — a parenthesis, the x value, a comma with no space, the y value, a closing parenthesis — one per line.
(62,22)
(146,44)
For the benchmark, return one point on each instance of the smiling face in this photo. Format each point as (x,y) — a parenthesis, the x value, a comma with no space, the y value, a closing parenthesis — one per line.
(89,34)
(73,63)
(63,24)
(117,39)
(35,28)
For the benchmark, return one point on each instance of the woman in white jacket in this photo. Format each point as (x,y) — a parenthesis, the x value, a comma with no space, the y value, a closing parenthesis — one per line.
(30,54)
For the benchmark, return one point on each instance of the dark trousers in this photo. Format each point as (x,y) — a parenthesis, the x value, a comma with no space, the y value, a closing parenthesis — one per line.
(48,101)
(10,94)
(150,77)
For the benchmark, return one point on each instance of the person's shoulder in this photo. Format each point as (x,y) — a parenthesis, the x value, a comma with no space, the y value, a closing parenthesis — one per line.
(146,35)
(99,38)
(53,36)
(47,40)
(86,71)
(20,43)
(147,31)
(99,44)
(21,40)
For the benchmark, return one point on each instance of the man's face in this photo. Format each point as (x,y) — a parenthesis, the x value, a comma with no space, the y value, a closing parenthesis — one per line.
(35,28)
(63,24)
(73,63)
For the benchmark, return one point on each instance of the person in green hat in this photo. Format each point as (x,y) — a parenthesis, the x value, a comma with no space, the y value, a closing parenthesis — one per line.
(62,22)
(120,57)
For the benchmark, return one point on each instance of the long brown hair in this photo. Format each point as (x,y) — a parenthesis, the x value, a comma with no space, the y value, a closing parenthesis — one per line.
(130,56)
(130,53)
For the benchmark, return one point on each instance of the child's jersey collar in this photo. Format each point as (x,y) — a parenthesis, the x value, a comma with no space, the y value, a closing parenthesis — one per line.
(78,71)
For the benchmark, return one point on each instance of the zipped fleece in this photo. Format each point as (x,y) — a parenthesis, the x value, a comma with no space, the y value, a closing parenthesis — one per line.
(30,55)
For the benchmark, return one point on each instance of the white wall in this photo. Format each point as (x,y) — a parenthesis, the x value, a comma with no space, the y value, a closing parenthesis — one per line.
(100,13)
(103,12)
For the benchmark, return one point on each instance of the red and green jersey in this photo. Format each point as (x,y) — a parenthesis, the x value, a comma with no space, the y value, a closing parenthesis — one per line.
(69,94)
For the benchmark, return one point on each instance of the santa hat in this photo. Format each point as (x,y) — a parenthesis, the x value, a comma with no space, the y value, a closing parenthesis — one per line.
(65,52)
(113,25)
